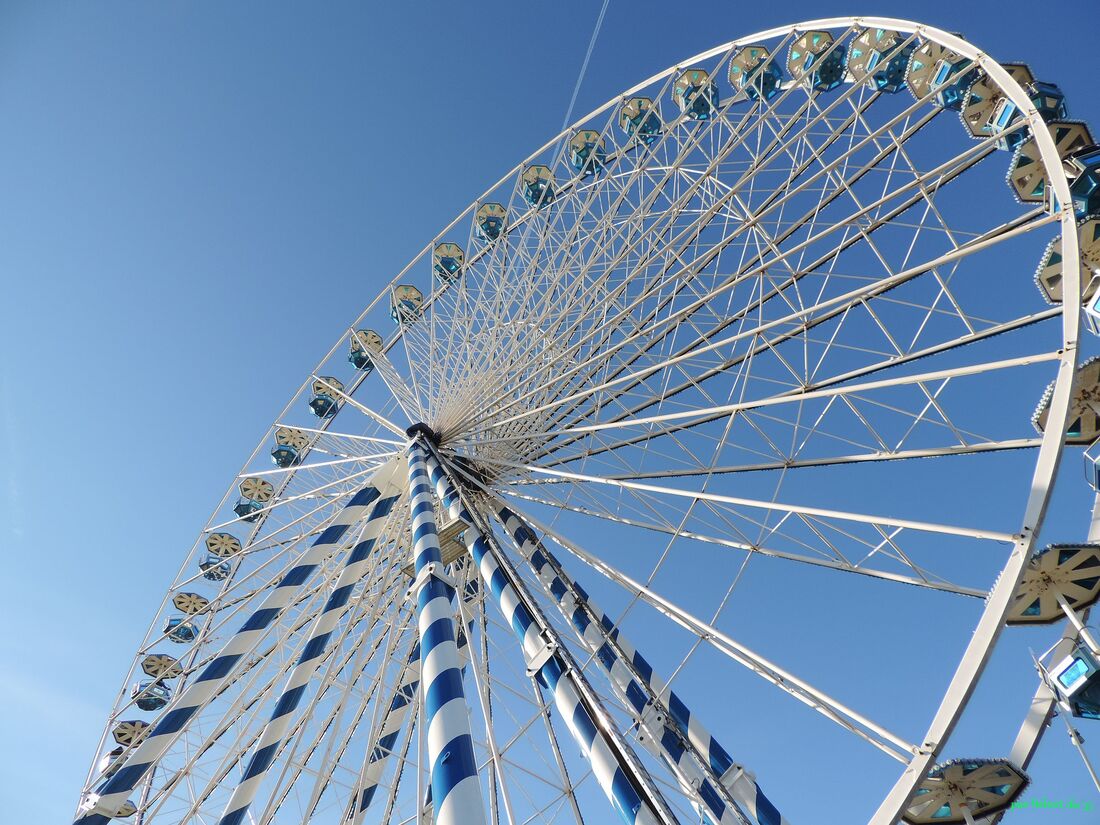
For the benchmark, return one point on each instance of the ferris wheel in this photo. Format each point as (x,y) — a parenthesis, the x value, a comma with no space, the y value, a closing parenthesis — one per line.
(723,385)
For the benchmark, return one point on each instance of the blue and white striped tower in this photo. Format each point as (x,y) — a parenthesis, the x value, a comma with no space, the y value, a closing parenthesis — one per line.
(710,766)
(356,564)
(101,806)
(456,790)
(616,776)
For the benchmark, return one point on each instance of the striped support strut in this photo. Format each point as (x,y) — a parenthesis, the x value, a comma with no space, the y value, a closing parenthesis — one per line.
(355,566)
(455,786)
(710,763)
(100,807)
(394,719)
(386,737)
(612,775)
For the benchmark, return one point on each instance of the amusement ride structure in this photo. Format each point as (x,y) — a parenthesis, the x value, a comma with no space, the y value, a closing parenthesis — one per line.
(796,317)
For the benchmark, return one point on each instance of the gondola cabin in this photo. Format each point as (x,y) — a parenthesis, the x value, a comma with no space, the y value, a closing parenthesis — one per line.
(363,343)
(161,666)
(587,152)
(447,261)
(1049,275)
(130,732)
(111,761)
(152,695)
(290,444)
(214,569)
(324,403)
(490,220)
(405,304)
(1077,680)
(639,118)
(1027,175)
(180,629)
(538,186)
(255,493)
(815,61)
(754,74)
(696,94)
(936,70)
(1085,189)
(880,58)
(223,545)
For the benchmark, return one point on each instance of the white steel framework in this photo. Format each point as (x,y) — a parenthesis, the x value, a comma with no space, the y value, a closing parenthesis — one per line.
(718,356)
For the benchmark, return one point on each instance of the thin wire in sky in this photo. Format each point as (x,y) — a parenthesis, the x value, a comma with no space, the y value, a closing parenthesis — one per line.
(584,65)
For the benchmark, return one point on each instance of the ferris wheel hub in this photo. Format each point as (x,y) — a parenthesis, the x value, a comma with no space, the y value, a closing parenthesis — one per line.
(420,428)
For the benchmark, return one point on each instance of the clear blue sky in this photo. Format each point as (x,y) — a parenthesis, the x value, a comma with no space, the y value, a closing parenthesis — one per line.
(197,196)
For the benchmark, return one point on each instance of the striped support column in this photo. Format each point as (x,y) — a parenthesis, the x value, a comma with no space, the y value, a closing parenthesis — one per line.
(455,786)
(355,566)
(101,806)
(394,720)
(710,764)
(613,774)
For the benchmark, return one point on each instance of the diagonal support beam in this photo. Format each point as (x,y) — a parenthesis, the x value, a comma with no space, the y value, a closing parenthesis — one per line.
(356,565)
(101,806)
(721,788)
(845,716)
(383,740)
(618,772)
